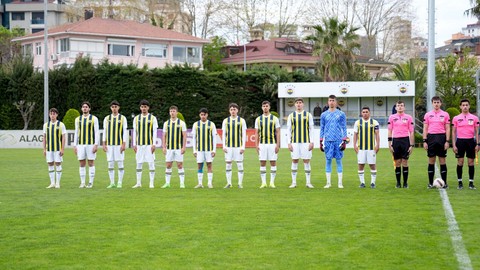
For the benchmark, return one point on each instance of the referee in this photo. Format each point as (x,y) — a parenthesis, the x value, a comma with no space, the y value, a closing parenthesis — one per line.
(436,134)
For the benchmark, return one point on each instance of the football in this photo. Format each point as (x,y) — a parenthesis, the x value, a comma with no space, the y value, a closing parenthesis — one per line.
(438,183)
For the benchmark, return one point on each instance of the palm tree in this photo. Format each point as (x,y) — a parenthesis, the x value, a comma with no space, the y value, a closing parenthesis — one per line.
(334,42)
(414,70)
(474,10)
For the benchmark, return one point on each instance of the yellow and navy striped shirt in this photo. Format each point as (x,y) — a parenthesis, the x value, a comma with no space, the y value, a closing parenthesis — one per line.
(233,131)
(174,133)
(145,127)
(204,135)
(114,127)
(87,130)
(300,127)
(366,133)
(53,135)
(267,128)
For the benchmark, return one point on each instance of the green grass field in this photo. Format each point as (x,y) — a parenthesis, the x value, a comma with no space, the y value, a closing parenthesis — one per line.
(384,228)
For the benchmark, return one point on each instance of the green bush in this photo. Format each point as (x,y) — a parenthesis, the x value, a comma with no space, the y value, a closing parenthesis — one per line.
(69,118)
(452,111)
(418,138)
(275,114)
(180,116)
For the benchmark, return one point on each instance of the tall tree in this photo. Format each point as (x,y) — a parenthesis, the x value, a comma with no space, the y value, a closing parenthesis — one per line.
(474,11)
(212,54)
(455,79)
(334,42)
(414,70)
(9,49)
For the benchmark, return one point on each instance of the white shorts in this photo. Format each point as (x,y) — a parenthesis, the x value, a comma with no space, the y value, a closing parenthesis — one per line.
(144,154)
(300,151)
(204,156)
(233,154)
(174,155)
(267,152)
(114,154)
(366,157)
(53,156)
(86,152)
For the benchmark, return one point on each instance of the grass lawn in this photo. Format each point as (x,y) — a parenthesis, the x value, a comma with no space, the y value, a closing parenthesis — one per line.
(282,228)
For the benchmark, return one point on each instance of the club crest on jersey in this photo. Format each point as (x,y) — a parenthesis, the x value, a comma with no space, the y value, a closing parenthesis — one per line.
(470,122)
(404,120)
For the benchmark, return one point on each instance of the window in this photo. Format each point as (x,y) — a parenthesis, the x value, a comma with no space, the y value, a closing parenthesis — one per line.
(18,16)
(63,45)
(118,49)
(27,50)
(186,54)
(35,30)
(154,50)
(38,18)
(38,48)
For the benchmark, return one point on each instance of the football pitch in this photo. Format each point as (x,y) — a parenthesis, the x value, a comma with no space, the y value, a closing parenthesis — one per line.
(249,228)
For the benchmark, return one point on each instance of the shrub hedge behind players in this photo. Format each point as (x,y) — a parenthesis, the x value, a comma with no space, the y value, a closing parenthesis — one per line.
(53,146)
(464,137)
(145,127)
(333,139)
(400,141)
(366,142)
(115,138)
(174,143)
(86,139)
(436,134)
(300,141)
(234,130)
(204,139)
(267,142)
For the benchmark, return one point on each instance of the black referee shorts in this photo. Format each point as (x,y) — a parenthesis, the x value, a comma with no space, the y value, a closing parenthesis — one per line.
(436,145)
(465,146)
(400,148)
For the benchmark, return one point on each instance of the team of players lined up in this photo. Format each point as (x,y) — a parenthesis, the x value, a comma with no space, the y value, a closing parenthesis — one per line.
(333,140)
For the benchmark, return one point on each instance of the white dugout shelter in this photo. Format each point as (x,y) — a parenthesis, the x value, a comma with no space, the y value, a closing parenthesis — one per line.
(352,96)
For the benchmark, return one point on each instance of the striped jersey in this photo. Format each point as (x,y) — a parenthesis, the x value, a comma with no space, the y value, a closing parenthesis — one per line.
(333,125)
(86,130)
(204,136)
(234,132)
(300,127)
(53,134)
(173,133)
(366,133)
(144,129)
(115,129)
(267,128)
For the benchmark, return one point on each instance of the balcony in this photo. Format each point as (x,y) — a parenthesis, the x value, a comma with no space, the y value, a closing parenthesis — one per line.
(37,21)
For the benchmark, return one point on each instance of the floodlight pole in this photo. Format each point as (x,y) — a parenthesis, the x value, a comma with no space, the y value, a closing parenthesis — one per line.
(45,63)
(431,54)
(477,84)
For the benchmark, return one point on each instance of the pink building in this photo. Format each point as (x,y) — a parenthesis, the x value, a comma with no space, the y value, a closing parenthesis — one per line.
(126,42)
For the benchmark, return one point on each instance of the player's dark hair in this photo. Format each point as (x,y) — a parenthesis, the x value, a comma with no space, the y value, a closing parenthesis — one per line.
(436,98)
(234,105)
(114,102)
(53,110)
(332,97)
(203,110)
(464,100)
(400,102)
(299,99)
(266,102)
(173,107)
(144,102)
(88,104)
(365,108)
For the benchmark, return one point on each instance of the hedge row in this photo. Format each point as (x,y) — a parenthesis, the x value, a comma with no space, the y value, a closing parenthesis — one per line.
(188,88)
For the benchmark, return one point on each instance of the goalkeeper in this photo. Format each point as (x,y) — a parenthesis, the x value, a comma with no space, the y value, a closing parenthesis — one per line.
(333,138)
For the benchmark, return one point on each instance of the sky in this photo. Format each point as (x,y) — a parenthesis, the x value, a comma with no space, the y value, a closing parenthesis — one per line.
(449,18)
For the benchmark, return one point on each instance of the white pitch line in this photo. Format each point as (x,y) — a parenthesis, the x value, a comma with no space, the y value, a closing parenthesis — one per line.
(455,234)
